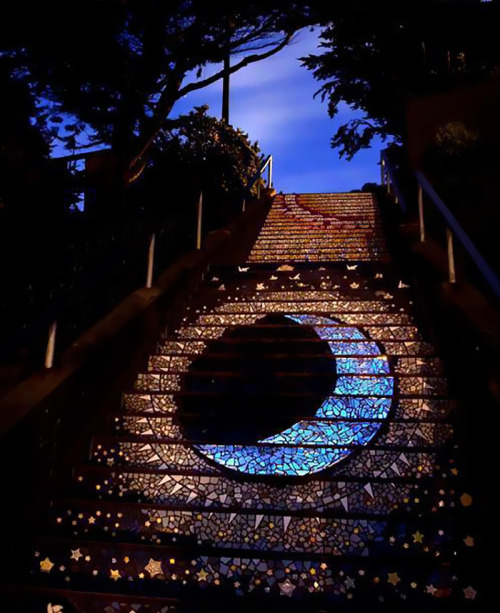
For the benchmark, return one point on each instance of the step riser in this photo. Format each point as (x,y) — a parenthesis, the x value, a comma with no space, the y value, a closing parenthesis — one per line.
(166,404)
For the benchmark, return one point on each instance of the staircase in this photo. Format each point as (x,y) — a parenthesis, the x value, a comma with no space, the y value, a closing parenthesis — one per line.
(289,448)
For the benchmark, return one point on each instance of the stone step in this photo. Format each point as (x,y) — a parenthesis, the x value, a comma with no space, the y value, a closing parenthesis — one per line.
(345,290)
(191,347)
(202,572)
(338,332)
(138,402)
(311,268)
(142,483)
(298,383)
(235,527)
(282,361)
(253,316)
(171,426)
(399,439)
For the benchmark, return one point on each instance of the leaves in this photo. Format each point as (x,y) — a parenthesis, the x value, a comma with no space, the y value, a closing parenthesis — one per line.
(375,57)
(208,153)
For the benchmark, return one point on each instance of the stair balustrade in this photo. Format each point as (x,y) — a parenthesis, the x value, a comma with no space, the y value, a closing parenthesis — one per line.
(427,195)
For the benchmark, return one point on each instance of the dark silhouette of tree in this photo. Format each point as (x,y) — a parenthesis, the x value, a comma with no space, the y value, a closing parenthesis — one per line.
(203,154)
(119,66)
(379,55)
(25,174)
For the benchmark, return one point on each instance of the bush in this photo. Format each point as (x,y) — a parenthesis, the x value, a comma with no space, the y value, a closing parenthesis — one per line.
(205,154)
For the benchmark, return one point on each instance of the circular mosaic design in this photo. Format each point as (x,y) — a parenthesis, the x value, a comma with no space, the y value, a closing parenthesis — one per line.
(312,446)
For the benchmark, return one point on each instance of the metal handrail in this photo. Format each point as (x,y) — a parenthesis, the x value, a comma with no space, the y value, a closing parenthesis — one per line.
(388,176)
(48,319)
(268,163)
(53,315)
(453,228)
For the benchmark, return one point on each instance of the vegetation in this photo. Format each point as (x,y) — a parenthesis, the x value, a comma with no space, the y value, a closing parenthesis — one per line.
(379,55)
(119,66)
(204,154)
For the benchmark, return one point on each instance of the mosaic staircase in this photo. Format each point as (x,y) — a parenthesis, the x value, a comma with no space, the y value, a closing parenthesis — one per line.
(289,448)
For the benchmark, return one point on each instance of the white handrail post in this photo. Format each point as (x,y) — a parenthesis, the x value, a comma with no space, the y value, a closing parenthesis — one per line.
(51,345)
(270,173)
(199,222)
(421,213)
(151,261)
(258,184)
(382,171)
(451,257)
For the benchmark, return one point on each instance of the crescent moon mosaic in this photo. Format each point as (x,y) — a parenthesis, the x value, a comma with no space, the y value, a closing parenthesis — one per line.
(395,408)
(363,391)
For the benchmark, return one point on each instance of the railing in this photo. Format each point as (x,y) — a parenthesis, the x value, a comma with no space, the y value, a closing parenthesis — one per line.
(269,165)
(453,229)
(120,272)
(257,178)
(52,318)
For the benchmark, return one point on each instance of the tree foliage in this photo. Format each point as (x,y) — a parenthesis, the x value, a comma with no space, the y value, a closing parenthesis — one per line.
(118,66)
(379,55)
(25,174)
(210,153)
(204,154)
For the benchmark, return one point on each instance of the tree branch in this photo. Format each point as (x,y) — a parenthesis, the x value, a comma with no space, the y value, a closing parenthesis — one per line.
(250,59)
(173,92)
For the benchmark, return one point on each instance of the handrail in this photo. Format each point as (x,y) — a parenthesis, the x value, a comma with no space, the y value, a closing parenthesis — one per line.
(457,230)
(88,282)
(454,229)
(268,163)
(52,315)
(389,176)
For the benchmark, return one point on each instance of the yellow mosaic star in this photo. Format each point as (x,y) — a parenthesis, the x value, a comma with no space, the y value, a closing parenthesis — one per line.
(46,565)
(417,537)
(76,554)
(154,567)
(393,578)
(202,575)
(114,574)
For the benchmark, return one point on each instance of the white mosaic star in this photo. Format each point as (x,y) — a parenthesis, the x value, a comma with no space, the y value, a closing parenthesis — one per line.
(286,588)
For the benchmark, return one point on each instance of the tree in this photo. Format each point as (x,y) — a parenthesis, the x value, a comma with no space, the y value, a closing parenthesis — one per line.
(119,66)
(378,55)
(204,154)
(24,170)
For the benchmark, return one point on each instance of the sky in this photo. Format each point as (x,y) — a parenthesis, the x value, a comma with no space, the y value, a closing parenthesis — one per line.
(273,100)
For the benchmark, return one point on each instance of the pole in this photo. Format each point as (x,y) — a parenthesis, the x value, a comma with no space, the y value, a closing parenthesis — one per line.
(51,344)
(151,261)
(258,185)
(451,258)
(421,213)
(199,222)
(270,173)
(225,89)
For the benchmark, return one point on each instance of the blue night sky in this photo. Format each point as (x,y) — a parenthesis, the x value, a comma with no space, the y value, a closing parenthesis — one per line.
(273,102)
